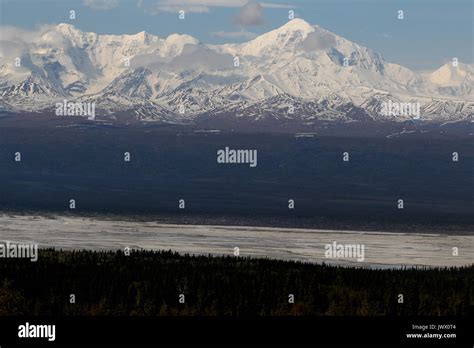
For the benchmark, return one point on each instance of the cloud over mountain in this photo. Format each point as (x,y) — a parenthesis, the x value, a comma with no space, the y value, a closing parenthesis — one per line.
(250,14)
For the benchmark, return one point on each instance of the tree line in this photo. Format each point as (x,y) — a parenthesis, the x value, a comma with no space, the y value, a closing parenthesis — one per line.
(152,283)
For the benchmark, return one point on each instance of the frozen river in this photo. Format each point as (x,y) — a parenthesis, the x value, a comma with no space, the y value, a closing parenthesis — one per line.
(381,249)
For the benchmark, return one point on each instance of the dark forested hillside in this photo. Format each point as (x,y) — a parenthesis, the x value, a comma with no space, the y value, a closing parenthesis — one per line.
(150,283)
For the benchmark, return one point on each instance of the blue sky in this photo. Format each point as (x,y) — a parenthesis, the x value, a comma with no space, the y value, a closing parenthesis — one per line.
(431,33)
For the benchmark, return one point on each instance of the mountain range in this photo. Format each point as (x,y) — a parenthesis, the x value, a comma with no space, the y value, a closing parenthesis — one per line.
(298,73)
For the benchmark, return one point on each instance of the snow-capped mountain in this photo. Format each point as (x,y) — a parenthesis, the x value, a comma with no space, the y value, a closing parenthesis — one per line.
(297,72)
(452,80)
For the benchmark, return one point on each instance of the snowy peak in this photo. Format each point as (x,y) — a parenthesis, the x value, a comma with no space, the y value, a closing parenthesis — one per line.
(69,34)
(295,25)
(454,80)
(174,44)
(319,74)
(453,74)
(70,31)
(286,38)
(66,29)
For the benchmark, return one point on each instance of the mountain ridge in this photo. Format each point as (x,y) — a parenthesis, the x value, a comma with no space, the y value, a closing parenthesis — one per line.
(186,78)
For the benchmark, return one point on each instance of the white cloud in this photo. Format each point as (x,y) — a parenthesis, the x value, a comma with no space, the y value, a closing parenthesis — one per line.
(319,41)
(250,14)
(191,57)
(203,6)
(101,4)
(20,35)
(17,42)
